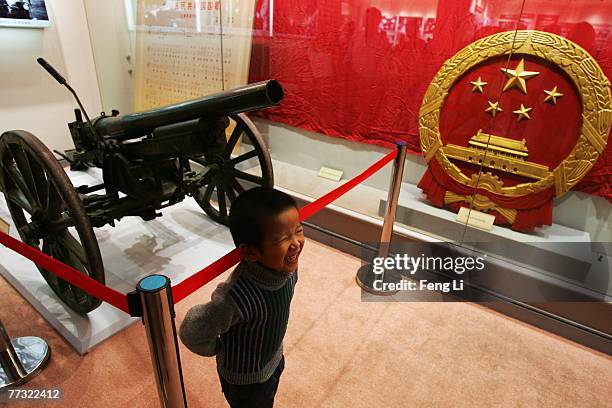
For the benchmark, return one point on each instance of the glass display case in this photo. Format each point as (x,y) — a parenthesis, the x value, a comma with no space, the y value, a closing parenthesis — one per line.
(504,105)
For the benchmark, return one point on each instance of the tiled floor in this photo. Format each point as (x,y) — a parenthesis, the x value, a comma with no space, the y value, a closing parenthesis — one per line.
(342,352)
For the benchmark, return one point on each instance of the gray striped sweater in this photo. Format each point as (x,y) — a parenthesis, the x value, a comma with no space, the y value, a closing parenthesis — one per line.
(243,324)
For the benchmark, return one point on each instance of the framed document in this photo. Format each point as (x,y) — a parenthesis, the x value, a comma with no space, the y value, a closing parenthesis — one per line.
(23,13)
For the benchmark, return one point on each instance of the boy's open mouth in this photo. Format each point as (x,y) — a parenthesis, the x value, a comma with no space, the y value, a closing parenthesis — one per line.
(292,259)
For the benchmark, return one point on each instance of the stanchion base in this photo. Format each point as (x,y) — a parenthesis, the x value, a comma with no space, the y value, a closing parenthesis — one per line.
(34,353)
(365,280)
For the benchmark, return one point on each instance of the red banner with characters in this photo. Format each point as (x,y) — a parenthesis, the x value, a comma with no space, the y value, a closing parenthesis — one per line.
(358,70)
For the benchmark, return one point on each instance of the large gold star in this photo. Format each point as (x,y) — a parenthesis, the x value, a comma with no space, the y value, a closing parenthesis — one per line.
(478,84)
(493,108)
(522,112)
(518,76)
(552,95)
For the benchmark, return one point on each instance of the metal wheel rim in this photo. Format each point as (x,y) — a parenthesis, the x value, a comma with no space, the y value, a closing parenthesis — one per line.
(25,198)
(227,182)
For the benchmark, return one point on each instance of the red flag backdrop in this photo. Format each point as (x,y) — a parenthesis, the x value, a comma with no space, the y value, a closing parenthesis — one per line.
(358,69)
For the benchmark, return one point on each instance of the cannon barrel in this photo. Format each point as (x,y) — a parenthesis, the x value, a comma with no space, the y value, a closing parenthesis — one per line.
(246,98)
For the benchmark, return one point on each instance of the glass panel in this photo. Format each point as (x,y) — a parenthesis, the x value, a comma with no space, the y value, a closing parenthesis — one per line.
(358,71)
(362,71)
(359,75)
(549,139)
(355,75)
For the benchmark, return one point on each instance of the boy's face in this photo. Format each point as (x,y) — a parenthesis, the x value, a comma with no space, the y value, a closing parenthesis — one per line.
(282,242)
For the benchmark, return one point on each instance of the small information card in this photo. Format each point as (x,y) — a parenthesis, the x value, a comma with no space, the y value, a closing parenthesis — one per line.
(475,218)
(331,174)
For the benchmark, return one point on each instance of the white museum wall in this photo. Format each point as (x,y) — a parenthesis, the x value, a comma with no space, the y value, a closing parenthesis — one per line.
(31,99)
(111,42)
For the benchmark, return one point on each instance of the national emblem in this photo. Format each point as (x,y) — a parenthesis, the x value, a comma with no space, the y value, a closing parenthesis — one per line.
(515,167)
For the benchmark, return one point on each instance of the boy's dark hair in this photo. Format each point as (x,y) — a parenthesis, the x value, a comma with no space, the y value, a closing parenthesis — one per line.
(251,209)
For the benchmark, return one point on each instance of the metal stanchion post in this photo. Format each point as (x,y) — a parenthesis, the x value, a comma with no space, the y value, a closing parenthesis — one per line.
(155,296)
(365,276)
(21,359)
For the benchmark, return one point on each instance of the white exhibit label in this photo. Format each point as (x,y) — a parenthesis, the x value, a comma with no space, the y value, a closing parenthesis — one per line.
(475,218)
(331,174)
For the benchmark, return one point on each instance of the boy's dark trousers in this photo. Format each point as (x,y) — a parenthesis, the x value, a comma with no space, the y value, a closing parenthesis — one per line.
(259,395)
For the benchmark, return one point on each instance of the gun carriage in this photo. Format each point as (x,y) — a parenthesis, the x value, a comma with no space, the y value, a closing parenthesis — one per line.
(149,160)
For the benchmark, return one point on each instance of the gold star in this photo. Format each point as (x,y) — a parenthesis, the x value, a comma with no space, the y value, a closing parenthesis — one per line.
(522,113)
(517,76)
(478,84)
(552,95)
(493,108)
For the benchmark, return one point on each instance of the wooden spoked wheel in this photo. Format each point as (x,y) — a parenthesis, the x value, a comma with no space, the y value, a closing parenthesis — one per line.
(48,213)
(227,176)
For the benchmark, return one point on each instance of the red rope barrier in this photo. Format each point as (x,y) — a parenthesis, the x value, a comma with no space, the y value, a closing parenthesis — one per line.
(312,208)
(199,279)
(202,277)
(69,274)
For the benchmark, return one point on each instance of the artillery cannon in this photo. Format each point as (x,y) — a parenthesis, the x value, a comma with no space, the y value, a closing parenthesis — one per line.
(149,160)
